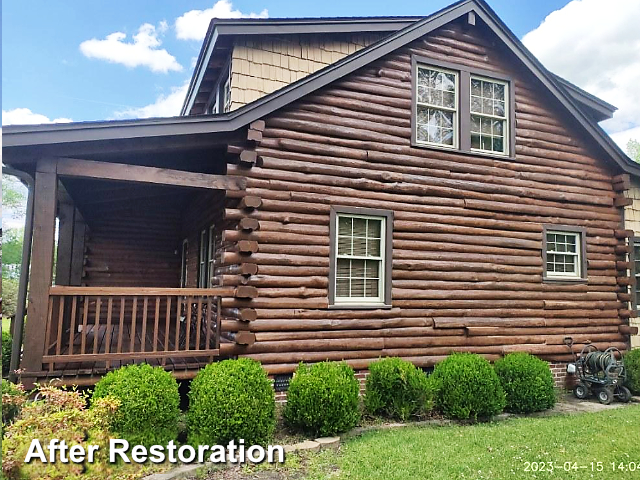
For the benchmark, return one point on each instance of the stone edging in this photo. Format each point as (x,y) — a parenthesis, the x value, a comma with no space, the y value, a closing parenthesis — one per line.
(324,443)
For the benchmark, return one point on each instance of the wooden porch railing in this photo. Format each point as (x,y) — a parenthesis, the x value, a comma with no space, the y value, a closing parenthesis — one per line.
(96,324)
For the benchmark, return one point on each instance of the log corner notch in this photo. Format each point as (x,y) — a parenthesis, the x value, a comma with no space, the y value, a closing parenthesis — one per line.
(624,259)
(237,267)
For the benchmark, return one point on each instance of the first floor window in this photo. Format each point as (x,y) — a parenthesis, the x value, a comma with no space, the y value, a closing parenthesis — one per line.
(360,270)
(563,254)
(202,260)
(211,255)
(183,263)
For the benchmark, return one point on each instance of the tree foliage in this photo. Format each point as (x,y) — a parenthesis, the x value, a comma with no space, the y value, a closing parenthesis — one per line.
(633,148)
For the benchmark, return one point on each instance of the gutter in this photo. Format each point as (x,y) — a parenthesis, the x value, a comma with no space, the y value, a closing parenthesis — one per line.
(18,327)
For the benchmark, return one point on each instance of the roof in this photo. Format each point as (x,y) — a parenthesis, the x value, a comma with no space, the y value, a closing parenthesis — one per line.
(74,133)
(222,28)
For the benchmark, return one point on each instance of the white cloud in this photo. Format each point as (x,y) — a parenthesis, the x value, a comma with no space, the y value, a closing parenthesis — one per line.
(165,105)
(596,45)
(144,51)
(24,116)
(193,24)
(622,138)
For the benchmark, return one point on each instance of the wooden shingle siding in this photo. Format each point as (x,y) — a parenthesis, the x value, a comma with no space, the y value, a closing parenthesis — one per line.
(467,233)
(632,222)
(259,67)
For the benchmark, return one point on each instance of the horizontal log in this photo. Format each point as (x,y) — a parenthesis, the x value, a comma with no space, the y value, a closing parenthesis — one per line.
(627,330)
(250,202)
(249,224)
(243,314)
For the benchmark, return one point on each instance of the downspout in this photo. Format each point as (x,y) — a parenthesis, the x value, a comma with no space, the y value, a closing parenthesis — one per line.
(16,345)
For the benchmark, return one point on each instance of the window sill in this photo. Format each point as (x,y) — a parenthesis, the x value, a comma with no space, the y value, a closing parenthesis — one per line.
(473,153)
(546,279)
(360,306)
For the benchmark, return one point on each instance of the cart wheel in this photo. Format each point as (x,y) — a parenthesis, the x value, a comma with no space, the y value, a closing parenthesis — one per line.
(605,396)
(623,394)
(581,391)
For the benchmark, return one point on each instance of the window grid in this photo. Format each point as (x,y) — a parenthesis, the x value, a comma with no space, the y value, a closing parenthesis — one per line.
(202,260)
(488,105)
(359,259)
(437,107)
(563,254)
(210,256)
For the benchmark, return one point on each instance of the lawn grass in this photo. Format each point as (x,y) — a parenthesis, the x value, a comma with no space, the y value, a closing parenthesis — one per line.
(6,324)
(491,451)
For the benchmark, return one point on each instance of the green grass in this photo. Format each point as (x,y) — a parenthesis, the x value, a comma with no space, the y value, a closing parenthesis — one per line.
(6,324)
(491,451)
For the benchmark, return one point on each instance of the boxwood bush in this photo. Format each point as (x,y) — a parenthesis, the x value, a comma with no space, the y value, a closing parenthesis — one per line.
(396,388)
(632,367)
(467,386)
(527,382)
(149,403)
(231,400)
(323,399)
(6,351)
(13,397)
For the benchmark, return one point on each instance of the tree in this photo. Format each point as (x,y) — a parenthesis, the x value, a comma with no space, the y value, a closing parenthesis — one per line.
(12,252)
(633,148)
(14,197)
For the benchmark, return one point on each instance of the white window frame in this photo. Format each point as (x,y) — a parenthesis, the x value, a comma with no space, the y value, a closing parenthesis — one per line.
(210,255)
(506,119)
(184,255)
(577,256)
(455,110)
(347,301)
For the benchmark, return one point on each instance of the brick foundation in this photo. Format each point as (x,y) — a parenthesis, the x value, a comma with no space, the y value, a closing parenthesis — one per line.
(560,376)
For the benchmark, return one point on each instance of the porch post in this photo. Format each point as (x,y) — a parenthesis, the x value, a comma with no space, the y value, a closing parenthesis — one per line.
(66,212)
(77,250)
(44,220)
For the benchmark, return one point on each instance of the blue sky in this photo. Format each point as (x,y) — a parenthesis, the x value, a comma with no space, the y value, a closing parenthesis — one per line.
(45,70)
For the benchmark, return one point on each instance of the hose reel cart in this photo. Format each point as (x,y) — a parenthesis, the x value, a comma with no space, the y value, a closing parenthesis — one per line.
(600,373)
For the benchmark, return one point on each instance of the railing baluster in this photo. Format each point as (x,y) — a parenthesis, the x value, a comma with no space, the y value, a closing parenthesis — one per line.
(188,320)
(156,323)
(143,340)
(72,330)
(121,325)
(60,322)
(218,320)
(107,346)
(176,347)
(133,324)
(47,332)
(85,316)
(209,326)
(96,325)
(167,326)
(198,323)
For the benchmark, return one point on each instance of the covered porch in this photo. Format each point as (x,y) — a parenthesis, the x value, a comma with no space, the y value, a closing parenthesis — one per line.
(127,283)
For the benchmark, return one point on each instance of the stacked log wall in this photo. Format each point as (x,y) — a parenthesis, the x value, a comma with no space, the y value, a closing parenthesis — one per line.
(467,233)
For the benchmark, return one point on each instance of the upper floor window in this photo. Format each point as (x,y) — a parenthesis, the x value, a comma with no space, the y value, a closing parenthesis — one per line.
(360,268)
(437,107)
(460,109)
(489,122)
(564,254)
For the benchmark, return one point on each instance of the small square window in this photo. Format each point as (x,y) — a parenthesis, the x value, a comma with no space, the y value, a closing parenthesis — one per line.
(563,255)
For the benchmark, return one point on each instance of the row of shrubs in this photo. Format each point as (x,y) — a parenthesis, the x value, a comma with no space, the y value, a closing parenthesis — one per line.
(234,399)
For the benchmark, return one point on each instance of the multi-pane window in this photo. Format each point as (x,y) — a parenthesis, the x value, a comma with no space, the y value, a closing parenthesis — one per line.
(489,115)
(360,247)
(563,254)
(183,263)
(202,260)
(211,255)
(437,107)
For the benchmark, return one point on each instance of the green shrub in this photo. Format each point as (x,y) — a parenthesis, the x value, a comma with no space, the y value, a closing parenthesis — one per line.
(6,351)
(632,367)
(13,397)
(396,388)
(231,400)
(149,399)
(527,382)
(63,415)
(467,386)
(323,399)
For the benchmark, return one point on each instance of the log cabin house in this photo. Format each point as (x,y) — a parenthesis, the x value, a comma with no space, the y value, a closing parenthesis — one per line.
(334,188)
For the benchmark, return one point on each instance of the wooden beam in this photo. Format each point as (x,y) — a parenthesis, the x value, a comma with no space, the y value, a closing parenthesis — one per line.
(77,251)
(72,167)
(44,221)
